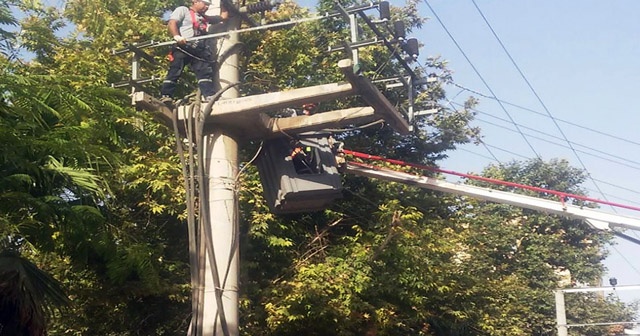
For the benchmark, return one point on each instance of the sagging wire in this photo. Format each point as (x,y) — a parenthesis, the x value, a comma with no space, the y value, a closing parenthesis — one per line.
(248,163)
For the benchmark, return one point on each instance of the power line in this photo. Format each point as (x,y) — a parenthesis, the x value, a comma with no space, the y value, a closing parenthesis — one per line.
(478,74)
(477,154)
(568,122)
(626,200)
(636,167)
(524,108)
(494,97)
(578,157)
(626,260)
(555,137)
(536,95)
(557,144)
(451,103)
(508,151)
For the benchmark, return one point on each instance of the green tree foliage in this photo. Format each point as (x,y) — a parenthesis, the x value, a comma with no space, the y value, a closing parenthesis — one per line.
(49,191)
(537,251)
(88,188)
(28,295)
(368,266)
(427,264)
(7,36)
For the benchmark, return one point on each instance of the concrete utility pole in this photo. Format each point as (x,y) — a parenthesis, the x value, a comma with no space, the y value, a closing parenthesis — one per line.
(221,167)
(229,121)
(232,120)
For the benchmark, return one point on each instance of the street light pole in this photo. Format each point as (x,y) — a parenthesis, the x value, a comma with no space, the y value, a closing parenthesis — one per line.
(561,317)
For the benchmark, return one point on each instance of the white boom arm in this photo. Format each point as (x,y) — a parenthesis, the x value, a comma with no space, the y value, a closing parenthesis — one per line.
(597,219)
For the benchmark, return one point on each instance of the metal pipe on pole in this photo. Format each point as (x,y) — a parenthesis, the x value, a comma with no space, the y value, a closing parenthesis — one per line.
(221,167)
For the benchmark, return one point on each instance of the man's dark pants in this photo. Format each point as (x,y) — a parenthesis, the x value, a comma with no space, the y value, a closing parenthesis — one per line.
(201,63)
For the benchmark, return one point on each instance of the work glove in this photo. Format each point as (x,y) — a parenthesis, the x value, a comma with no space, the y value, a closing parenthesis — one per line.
(180,39)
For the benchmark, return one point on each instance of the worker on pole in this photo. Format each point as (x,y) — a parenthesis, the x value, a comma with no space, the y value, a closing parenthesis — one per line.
(186,22)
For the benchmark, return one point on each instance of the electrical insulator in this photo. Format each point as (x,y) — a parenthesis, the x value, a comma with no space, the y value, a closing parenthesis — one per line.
(412,48)
(258,7)
(398,30)
(385,13)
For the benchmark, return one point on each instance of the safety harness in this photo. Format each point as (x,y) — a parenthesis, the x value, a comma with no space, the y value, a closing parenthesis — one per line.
(199,26)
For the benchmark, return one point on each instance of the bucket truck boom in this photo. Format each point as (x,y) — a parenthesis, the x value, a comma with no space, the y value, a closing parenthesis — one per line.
(595,218)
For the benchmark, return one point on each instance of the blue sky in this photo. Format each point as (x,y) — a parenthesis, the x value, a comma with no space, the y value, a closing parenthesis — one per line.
(581,61)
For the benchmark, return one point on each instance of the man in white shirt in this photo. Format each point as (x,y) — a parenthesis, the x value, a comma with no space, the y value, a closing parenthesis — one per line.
(185,23)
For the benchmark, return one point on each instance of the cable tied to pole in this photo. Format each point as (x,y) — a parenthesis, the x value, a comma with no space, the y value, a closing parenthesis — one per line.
(205,234)
(189,185)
